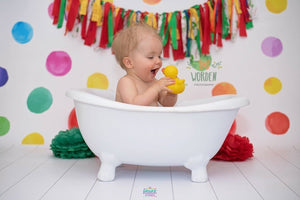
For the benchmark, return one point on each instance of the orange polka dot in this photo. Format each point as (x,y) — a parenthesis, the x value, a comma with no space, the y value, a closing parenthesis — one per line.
(277,123)
(151,2)
(223,88)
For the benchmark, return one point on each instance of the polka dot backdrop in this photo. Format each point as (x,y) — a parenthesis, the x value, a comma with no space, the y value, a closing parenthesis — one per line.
(64,62)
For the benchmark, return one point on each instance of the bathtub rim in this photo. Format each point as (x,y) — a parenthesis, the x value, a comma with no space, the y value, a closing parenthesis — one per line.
(215,103)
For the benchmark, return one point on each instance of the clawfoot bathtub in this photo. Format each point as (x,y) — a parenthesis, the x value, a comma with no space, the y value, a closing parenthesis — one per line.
(189,134)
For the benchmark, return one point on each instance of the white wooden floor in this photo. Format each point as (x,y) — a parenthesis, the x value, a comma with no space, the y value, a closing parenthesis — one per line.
(31,172)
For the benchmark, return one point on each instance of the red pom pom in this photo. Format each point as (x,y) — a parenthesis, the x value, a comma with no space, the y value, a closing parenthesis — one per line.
(235,148)
(72,122)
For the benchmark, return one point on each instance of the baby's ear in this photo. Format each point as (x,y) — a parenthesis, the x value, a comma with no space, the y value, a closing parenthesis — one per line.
(127,62)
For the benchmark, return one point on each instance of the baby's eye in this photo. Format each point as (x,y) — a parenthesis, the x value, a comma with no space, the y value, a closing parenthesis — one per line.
(150,57)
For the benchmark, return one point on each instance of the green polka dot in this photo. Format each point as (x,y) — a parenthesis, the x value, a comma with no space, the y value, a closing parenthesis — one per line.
(39,100)
(4,126)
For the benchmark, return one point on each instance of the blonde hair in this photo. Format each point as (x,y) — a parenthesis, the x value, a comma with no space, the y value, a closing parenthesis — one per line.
(126,40)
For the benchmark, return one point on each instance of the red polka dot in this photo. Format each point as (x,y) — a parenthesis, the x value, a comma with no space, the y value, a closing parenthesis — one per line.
(223,88)
(72,122)
(233,128)
(277,123)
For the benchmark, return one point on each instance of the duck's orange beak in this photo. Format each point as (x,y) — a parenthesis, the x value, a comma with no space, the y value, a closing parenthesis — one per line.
(163,69)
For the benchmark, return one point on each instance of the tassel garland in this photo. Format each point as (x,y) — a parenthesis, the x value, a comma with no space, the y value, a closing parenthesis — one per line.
(200,25)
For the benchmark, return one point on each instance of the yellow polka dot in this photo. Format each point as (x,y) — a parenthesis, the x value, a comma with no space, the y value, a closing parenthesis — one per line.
(276,6)
(33,138)
(97,80)
(272,85)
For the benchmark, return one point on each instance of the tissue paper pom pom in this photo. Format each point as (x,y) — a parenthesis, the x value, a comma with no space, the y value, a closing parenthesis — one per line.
(235,148)
(70,144)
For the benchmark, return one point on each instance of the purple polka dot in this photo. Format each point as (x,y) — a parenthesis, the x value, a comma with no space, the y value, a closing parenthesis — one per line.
(271,46)
(58,63)
(3,76)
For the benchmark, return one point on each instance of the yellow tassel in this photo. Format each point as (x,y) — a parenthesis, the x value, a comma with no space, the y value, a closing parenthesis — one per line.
(97,13)
(237,6)
(133,18)
(152,20)
(83,7)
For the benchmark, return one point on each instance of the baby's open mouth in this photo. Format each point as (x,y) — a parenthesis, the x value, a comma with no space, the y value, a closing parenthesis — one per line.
(154,71)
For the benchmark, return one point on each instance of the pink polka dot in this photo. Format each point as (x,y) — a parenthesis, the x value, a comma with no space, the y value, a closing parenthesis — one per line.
(58,63)
(50,8)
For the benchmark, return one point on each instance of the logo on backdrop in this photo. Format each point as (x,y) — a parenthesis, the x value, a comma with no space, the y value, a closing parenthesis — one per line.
(204,72)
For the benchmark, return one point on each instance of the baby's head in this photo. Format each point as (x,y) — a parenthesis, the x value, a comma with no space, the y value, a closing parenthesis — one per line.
(127,40)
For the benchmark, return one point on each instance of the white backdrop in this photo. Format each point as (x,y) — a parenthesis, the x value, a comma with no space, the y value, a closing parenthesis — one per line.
(241,63)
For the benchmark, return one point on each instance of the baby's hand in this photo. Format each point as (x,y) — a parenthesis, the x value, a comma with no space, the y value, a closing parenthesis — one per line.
(162,84)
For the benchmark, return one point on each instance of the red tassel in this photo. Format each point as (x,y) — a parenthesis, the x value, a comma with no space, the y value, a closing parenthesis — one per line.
(91,33)
(206,31)
(219,25)
(104,32)
(166,50)
(178,53)
(119,21)
(73,12)
(83,26)
(243,19)
(55,11)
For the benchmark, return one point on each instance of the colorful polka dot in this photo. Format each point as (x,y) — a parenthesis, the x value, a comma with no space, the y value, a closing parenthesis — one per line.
(271,46)
(39,100)
(3,76)
(272,85)
(58,63)
(276,6)
(97,80)
(72,121)
(33,138)
(50,8)
(277,123)
(151,2)
(223,88)
(22,32)
(4,126)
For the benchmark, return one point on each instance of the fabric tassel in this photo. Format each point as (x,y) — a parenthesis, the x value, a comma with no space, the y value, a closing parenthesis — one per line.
(72,15)
(206,30)
(119,21)
(188,40)
(61,13)
(178,53)
(107,27)
(55,11)
(163,32)
(219,24)
(91,34)
(97,12)
(83,26)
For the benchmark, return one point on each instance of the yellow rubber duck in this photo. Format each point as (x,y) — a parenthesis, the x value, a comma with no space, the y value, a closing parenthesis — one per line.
(172,71)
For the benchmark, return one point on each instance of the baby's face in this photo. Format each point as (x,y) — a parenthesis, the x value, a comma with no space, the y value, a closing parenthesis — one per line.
(146,58)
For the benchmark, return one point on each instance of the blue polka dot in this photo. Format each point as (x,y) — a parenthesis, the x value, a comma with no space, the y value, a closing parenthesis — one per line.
(3,76)
(22,32)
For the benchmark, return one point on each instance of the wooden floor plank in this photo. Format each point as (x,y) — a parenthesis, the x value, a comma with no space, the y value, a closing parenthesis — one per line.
(185,189)
(152,183)
(37,183)
(21,168)
(291,155)
(264,182)
(119,189)
(76,182)
(14,153)
(229,183)
(279,167)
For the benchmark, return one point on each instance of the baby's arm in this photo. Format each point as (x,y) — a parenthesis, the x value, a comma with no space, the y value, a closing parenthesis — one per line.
(128,92)
(167,99)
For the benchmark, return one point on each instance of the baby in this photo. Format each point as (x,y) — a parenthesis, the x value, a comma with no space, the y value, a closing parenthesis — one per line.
(138,49)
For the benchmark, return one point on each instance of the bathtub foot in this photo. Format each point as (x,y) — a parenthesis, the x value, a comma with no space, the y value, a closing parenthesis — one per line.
(197,165)
(108,168)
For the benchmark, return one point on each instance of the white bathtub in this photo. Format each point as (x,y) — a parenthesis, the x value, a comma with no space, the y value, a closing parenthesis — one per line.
(189,134)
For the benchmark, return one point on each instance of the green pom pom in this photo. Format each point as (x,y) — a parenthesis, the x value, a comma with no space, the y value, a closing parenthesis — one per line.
(70,144)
